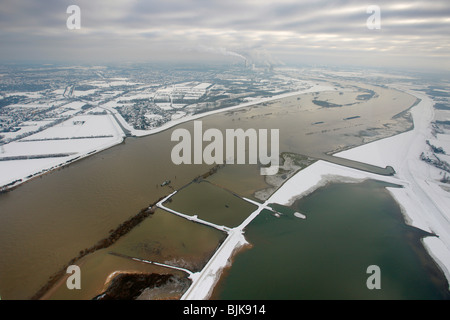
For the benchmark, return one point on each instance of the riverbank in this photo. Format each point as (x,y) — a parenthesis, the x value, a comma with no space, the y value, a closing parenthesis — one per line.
(35,154)
(424,203)
(16,172)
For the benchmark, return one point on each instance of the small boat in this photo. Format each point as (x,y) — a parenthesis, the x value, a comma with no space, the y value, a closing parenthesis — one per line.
(165,183)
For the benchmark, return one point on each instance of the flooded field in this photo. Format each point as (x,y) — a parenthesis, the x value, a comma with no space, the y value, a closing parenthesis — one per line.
(211,203)
(163,238)
(46,222)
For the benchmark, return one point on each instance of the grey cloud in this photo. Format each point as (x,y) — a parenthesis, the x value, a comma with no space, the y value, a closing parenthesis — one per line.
(289,28)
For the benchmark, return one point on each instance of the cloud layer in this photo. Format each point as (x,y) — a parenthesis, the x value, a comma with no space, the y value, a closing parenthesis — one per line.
(413,33)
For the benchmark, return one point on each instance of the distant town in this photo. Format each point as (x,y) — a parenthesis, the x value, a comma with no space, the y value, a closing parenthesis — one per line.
(35,98)
(52,115)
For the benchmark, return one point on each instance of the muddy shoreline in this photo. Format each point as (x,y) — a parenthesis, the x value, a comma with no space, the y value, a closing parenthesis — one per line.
(129,286)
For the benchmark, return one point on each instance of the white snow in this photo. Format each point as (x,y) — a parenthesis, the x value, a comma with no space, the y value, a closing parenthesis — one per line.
(20,169)
(26,127)
(299,215)
(63,143)
(82,93)
(79,126)
(204,282)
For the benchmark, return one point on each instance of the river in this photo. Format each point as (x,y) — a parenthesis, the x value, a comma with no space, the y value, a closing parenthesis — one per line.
(47,221)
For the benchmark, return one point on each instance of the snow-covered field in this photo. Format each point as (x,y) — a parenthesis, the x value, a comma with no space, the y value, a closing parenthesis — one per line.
(75,138)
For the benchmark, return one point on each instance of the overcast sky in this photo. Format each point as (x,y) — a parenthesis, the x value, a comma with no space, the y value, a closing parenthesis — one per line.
(413,33)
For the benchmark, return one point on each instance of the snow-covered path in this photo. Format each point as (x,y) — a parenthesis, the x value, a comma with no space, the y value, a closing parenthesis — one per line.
(203,282)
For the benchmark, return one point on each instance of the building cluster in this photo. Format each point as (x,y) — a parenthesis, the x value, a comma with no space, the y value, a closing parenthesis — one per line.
(146,98)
